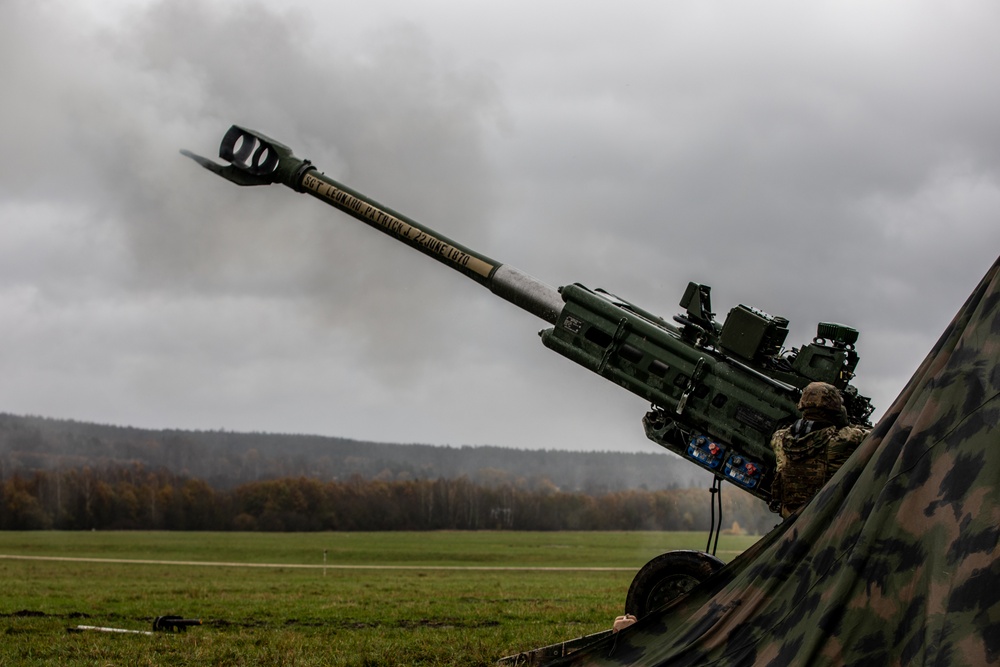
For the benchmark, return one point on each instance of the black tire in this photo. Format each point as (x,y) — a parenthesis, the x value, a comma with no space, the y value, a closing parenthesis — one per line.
(666,577)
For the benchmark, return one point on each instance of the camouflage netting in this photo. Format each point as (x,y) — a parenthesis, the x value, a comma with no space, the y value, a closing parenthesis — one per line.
(894,562)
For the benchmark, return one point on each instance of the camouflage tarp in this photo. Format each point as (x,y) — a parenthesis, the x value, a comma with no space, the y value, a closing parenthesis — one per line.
(894,562)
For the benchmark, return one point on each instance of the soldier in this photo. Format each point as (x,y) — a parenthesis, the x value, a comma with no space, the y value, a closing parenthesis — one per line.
(811,450)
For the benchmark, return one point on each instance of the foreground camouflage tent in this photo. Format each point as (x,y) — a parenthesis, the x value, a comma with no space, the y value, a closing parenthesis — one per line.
(895,562)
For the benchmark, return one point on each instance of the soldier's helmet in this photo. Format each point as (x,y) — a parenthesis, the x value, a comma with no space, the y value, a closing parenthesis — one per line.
(820,396)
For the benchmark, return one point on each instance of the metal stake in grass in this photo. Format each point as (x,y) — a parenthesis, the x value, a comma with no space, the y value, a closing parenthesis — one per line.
(94,628)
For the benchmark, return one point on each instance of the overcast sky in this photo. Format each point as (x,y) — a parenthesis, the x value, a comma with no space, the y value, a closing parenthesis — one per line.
(822,161)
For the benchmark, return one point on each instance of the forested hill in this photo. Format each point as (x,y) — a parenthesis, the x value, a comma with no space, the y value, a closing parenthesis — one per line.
(225,459)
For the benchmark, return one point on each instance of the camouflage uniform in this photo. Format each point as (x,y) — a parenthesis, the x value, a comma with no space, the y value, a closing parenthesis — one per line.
(810,451)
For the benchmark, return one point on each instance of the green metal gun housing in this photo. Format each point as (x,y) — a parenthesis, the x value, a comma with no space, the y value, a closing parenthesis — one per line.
(718,392)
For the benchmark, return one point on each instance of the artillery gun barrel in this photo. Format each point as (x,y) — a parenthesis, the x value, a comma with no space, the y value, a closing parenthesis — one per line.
(255,159)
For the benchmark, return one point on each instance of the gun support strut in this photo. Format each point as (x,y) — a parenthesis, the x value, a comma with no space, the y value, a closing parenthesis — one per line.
(255,159)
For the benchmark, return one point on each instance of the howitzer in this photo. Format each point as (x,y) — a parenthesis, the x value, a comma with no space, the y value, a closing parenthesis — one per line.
(718,392)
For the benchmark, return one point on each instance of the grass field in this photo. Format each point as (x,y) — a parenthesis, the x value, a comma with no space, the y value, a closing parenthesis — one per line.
(442,598)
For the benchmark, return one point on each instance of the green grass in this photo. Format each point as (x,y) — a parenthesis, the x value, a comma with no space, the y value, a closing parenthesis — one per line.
(288,614)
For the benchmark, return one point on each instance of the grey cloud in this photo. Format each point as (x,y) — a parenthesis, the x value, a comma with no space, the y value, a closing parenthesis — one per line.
(834,163)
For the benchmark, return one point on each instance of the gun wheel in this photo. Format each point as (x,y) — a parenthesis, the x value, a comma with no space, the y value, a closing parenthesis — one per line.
(666,577)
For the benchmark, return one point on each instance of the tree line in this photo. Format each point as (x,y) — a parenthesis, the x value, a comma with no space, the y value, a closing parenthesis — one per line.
(134,498)
(226,459)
